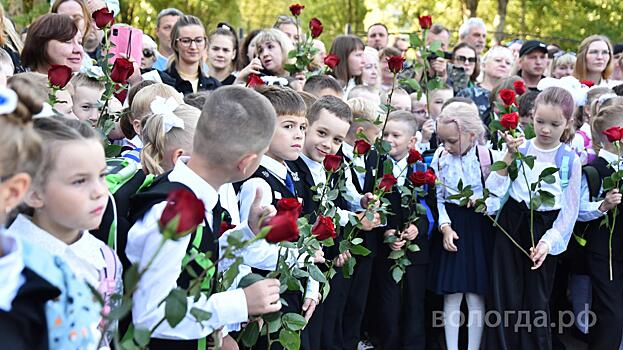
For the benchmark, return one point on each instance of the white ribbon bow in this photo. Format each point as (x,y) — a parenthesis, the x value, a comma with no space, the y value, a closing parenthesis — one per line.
(571,84)
(8,101)
(166,108)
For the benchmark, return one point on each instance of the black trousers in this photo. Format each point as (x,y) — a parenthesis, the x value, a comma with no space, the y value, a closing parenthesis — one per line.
(399,316)
(607,302)
(518,315)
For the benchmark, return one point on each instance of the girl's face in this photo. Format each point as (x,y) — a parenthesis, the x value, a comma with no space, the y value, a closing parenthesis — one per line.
(498,66)
(221,52)
(370,71)
(454,142)
(549,125)
(563,70)
(191,44)
(75,194)
(597,57)
(73,10)
(271,57)
(68,53)
(465,58)
(355,63)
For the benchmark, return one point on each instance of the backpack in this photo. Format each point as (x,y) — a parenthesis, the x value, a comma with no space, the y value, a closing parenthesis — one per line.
(593,181)
(485,158)
(108,280)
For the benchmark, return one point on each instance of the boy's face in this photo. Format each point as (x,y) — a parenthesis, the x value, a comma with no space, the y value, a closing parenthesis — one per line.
(86,103)
(401,102)
(289,138)
(437,100)
(325,136)
(397,133)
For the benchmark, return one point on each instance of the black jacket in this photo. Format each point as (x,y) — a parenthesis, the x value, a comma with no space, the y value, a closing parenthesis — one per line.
(173,78)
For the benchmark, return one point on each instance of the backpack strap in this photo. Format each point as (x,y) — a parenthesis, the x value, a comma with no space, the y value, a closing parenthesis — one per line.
(564,161)
(485,158)
(120,171)
(108,279)
(587,140)
(593,180)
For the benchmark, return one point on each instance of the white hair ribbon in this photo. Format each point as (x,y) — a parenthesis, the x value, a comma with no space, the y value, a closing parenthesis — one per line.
(8,100)
(571,84)
(165,108)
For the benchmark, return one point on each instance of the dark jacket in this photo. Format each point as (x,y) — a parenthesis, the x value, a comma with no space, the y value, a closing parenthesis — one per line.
(172,77)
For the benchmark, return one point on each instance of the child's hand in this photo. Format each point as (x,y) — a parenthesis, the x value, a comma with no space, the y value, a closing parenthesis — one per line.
(258,214)
(341,259)
(428,129)
(367,225)
(513,143)
(309,306)
(319,257)
(539,254)
(410,233)
(263,297)
(449,235)
(397,245)
(368,199)
(613,198)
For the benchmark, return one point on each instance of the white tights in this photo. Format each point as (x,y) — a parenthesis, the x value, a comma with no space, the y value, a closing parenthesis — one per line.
(452,319)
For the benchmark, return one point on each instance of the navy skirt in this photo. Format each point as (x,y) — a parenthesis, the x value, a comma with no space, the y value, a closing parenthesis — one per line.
(467,269)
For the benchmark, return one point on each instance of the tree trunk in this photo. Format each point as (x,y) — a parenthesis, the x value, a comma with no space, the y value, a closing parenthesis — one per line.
(502,5)
(471,6)
(15,8)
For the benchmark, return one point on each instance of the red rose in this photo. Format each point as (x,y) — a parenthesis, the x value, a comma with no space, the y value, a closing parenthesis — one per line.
(431,178)
(425,22)
(520,87)
(324,228)
(395,63)
(507,96)
(332,162)
(122,69)
(59,75)
(331,61)
(226,226)
(103,18)
(282,228)
(182,214)
(414,156)
(614,134)
(316,27)
(387,182)
(289,206)
(588,83)
(254,80)
(418,178)
(510,120)
(362,147)
(296,9)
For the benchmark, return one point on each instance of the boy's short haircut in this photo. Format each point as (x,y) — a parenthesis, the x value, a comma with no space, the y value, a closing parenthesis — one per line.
(441,88)
(457,99)
(285,100)
(234,121)
(317,83)
(83,80)
(397,92)
(405,117)
(526,102)
(308,98)
(197,99)
(333,105)
(358,89)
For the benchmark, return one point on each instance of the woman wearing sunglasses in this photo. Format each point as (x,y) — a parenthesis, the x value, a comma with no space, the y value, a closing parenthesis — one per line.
(464,57)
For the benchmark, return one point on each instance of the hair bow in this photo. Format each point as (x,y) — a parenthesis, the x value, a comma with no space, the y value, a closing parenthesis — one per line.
(166,108)
(8,101)
(569,83)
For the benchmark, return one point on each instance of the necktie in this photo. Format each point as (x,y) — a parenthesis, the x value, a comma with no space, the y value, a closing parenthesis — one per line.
(216,218)
(290,183)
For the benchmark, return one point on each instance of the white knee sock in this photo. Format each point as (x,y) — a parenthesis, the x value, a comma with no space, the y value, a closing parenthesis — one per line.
(452,319)
(476,306)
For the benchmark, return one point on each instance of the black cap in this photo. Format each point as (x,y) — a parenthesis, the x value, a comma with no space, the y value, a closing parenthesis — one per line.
(532,45)
(618,48)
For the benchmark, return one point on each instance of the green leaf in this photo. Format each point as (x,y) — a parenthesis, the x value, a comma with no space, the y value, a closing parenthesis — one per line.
(200,315)
(316,274)
(412,83)
(435,45)
(359,250)
(529,160)
(175,306)
(397,273)
(547,198)
(549,179)
(386,147)
(396,254)
(608,184)
(548,171)
(120,311)
(293,322)
(414,248)
(415,40)
(349,267)
(289,339)
(112,151)
(459,186)
(141,336)
(357,241)
(249,280)
(388,166)
(499,165)
(299,273)
(529,132)
(250,333)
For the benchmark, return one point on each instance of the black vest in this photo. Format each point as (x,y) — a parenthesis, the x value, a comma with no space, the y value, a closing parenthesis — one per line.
(369,164)
(278,189)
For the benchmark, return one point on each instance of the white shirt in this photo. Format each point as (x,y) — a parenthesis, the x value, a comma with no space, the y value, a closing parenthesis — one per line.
(144,237)
(261,254)
(84,256)
(589,211)
(349,151)
(567,201)
(450,169)
(11,267)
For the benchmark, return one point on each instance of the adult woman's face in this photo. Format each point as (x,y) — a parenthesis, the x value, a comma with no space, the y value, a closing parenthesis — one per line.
(466,59)
(271,57)
(68,53)
(597,57)
(370,72)
(221,51)
(355,63)
(73,10)
(498,66)
(191,43)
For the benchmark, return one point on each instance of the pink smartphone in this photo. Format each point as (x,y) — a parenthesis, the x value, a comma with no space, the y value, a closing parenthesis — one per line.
(126,42)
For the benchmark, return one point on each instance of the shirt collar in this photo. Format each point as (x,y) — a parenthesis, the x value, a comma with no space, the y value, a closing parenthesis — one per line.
(314,166)
(348,150)
(11,266)
(610,157)
(201,188)
(278,169)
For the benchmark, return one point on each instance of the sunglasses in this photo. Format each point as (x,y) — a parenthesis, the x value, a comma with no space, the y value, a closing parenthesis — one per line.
(148,53)
(464,59)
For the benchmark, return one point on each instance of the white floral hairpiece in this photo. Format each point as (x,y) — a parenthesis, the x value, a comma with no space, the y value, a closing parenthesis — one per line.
(8,100)
(166,108)
(273,80)
(571,84)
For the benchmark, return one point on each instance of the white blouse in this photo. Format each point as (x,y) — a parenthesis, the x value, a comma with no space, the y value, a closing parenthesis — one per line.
(567,201)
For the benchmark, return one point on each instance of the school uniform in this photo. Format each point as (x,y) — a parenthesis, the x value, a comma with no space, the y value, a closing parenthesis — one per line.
(399,316)
(607,294)
(515,286)
(144,237)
